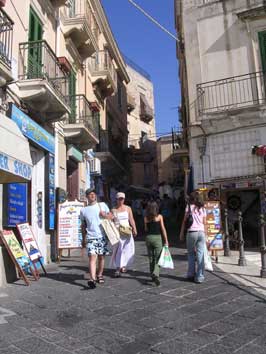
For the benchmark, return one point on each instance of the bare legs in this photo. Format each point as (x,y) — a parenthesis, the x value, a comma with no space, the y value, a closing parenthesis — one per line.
(93,265)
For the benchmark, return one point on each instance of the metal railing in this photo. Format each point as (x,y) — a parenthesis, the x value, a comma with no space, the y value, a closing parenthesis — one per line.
(82,114)
(231,93)
(101,63)
(80,9)
(38,61)
(109,144)
(6,38)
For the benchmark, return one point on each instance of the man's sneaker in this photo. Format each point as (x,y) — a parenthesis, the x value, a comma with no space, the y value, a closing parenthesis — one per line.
(92,284)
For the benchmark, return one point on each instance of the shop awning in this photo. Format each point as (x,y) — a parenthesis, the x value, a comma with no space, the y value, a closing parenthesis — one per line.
(15,158)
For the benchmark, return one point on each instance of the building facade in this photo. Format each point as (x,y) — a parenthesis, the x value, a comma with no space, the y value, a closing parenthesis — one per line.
(141,127)
(222,58)
(59,67)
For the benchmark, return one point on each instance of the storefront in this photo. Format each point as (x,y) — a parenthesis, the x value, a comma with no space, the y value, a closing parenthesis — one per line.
(15,176)
(74,183)
(41,195)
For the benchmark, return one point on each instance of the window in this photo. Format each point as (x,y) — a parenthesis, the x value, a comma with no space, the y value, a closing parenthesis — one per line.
(262,44)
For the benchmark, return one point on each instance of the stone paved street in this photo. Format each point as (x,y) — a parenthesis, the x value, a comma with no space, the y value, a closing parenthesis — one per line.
(59,315)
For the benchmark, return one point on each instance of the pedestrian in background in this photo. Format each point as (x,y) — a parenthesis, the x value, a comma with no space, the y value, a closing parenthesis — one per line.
(195,237)
(155,230)
(93,235)
(123,253)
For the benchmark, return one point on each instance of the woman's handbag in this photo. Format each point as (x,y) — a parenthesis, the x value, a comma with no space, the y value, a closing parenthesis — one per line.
(165,260)
(125,230)
(189,219)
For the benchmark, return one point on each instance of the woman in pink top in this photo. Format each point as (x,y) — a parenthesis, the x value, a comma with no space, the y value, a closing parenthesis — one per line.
(195,238)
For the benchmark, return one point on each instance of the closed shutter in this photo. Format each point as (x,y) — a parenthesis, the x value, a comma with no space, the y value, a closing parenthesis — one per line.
(72,97)
(262,44)
(35,66)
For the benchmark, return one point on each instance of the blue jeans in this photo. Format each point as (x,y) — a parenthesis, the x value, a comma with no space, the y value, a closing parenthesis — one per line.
(196,241)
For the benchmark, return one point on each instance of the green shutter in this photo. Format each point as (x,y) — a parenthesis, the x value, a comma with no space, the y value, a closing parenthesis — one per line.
(262,43)
(35,50)
(72,96)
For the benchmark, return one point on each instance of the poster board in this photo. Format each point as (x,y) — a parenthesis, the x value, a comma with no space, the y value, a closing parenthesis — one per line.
(18,256)
(213,220)
(30,245)
(69,235)
(29,242)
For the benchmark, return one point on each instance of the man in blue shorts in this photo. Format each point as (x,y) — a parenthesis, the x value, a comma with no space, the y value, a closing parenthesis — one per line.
(93,235)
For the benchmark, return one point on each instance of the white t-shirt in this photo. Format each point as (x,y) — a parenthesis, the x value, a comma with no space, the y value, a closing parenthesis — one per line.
(90,215)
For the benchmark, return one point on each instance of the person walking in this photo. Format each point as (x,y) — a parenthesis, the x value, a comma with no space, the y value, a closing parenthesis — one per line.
(93,235)
(155,229)
(195,237)
(123,253)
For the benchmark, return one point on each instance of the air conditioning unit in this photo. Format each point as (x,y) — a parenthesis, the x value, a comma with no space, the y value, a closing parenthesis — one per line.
(95,166)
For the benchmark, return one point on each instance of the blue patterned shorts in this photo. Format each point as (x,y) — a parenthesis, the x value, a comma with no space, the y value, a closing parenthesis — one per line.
(97,246)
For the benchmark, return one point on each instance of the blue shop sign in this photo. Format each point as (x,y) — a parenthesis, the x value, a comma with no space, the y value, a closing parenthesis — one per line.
(16,167)
(16,204)
(32,130)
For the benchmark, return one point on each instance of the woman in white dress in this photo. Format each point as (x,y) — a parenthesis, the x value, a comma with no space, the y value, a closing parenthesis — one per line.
(123,253)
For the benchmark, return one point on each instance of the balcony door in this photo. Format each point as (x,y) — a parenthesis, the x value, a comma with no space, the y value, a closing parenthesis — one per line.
(35,48)
(262,44)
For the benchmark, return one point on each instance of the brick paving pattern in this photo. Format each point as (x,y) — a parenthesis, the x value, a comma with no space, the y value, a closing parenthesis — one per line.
(129,315)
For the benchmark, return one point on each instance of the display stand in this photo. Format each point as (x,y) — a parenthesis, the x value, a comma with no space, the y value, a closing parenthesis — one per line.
(31,246)
(69,235)
(214,233)
(17,254)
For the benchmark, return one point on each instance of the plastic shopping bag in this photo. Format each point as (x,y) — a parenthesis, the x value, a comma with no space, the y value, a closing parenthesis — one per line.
(165,260)
(207,260)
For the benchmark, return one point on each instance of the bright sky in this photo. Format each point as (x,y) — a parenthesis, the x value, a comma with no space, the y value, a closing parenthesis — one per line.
(152,49)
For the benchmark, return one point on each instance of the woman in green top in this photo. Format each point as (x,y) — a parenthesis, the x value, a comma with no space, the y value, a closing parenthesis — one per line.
(155,229)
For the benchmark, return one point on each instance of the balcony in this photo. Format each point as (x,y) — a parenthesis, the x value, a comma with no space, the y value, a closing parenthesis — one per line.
(6,42)
(146,112)
(82,125)
(233,93)
(59,3)
(80,26)
(131,103)
(111,153)
(103,72)
(42,83)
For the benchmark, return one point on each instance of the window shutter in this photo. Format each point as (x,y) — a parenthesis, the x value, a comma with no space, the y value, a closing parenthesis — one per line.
(262,44)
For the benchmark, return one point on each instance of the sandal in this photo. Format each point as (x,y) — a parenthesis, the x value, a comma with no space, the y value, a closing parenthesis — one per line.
(100,279)
(117,274)
(92,284)
(123,270)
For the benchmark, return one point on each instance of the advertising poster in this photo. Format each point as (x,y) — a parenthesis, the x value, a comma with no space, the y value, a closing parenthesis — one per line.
(16,250)
(214,235)
(69,225)
(16,204)
(29,241)
(50,191)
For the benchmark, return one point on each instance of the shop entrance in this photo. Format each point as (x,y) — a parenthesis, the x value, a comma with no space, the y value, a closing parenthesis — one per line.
(72,180)
(248,201)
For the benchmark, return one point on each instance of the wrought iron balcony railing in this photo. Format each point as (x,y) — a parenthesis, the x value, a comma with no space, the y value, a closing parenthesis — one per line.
(38,61)
(6,38)
(114,146)
(101,64)
(231,93)
(82,114)
(80,10)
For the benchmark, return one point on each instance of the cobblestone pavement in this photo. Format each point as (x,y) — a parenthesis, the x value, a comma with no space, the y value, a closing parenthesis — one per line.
(60,315)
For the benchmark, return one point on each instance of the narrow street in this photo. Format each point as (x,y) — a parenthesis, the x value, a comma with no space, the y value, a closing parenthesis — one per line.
(59,315)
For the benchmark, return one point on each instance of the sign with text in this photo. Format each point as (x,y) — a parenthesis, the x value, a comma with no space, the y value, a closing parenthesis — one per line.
(69,225)
(15,248)
(29,242)
(16,204)
(213,219)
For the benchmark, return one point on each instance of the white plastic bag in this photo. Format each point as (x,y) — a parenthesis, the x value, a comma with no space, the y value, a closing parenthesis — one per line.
(165,260)
(207,260)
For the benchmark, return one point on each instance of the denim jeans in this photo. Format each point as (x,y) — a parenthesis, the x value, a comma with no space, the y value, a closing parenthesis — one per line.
(196,241)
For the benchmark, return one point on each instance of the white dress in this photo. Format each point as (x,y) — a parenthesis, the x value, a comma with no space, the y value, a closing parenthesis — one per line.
(123,253)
